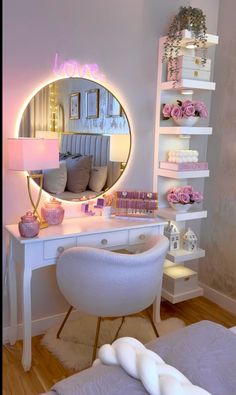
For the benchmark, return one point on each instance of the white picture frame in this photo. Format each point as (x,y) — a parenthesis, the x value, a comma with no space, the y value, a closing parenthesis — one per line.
(113,106)
(74,106)
(92,103)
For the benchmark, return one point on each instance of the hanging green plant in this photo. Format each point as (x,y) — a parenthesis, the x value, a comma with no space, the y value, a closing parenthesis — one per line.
(189,18)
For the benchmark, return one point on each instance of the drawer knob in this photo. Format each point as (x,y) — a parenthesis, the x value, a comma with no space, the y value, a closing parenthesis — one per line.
(104,241)
(197,61)
(195,73)
(142,237)
(60,249)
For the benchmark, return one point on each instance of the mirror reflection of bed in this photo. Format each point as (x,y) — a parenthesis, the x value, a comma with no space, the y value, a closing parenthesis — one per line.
(94,150)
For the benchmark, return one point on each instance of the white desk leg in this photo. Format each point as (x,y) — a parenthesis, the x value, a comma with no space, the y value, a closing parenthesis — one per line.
(156,308)
(156,315)
(12,295)
(26,311)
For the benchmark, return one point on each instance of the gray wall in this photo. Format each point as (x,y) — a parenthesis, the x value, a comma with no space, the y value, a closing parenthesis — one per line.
(218,269)
(103,124)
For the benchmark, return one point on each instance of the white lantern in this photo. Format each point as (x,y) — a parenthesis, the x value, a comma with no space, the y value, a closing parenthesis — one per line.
(171,231)
(190,241)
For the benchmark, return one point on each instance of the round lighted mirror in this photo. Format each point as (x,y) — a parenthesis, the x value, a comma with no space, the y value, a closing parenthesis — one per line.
(93,132)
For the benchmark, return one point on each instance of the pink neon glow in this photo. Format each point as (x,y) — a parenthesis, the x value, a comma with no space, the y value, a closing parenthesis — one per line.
(33,154)
(71,68)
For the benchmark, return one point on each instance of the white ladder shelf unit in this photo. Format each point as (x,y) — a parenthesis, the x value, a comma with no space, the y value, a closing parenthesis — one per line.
(168,137)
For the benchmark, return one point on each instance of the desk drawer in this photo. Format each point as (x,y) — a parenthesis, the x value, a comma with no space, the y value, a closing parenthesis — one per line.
(139,236)
(104,240)
(53,248)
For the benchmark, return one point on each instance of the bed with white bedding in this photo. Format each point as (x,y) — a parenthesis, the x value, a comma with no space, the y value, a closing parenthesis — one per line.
(204,352)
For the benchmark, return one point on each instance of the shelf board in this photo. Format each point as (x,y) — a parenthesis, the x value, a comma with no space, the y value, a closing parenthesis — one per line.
(183,296)
(182,174)
(171,214)
(188,84)
(212,39)
(185,130)
(182,255)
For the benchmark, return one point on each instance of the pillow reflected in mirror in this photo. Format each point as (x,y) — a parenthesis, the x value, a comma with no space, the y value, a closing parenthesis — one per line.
(78,173)
(54,180)
(98,177)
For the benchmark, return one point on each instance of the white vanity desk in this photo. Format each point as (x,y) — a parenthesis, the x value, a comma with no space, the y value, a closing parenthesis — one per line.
(41,251)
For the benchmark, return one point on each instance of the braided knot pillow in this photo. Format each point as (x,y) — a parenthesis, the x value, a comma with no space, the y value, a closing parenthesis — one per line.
(157,377)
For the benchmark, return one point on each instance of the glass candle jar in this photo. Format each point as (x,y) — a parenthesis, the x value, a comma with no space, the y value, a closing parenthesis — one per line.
(106,212)
(53,212)
(29,225)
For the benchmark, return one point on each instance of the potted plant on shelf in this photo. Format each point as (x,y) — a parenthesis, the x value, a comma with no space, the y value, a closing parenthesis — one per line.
(182,198)
(193,20)
(185,113)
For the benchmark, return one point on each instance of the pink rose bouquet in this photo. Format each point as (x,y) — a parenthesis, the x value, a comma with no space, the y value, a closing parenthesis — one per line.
(184,109)
(184,195)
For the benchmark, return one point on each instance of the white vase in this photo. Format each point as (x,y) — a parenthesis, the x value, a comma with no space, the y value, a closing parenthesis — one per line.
(190,121)
(180,207)
(106,212)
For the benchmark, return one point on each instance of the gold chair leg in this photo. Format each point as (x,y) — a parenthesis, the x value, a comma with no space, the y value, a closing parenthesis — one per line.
(64,321)
(153,325)
(118,330)
(96,338)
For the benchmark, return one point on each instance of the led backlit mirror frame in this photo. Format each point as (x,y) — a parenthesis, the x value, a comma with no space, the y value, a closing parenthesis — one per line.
(112,120)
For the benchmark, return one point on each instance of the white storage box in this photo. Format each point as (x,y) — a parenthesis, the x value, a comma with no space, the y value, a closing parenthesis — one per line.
(190,67)
(179,279)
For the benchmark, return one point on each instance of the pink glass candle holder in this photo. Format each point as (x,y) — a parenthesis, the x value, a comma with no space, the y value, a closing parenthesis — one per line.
(53,212)
(29,225)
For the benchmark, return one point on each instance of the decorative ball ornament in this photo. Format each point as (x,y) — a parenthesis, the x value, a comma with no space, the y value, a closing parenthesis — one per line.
(172,233)
(190,241)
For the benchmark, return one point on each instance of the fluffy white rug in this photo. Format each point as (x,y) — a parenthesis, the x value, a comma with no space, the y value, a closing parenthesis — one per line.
(75,346)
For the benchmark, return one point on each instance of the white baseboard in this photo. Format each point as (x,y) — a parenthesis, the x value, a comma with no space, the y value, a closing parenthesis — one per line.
(40,326)
(219,298)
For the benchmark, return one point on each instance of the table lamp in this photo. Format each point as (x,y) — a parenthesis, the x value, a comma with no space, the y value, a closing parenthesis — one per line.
(31,154)
(119,148)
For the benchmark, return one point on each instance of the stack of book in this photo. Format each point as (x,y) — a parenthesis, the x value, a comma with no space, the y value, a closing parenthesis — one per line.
(184,166)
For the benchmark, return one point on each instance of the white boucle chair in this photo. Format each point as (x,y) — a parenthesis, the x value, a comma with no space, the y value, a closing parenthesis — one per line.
(111,284)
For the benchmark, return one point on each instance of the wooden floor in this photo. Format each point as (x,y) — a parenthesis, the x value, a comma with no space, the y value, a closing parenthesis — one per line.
(47,370)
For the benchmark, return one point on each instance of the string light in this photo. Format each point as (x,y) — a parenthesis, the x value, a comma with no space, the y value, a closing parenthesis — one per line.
(53,125)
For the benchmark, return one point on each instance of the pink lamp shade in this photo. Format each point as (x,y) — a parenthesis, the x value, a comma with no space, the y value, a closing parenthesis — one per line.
(32,153)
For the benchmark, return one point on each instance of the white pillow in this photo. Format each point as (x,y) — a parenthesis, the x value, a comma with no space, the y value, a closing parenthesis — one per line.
(54,180)
(98,177)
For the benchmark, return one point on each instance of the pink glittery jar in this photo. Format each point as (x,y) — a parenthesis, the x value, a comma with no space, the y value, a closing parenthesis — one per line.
(53,212)
(29,225)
